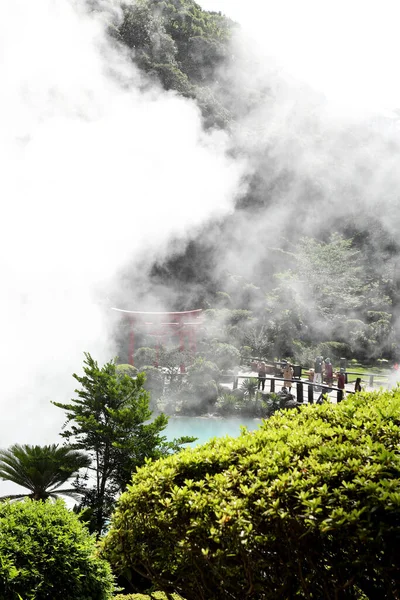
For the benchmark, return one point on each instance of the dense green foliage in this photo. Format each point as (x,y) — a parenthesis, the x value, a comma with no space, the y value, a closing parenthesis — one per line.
(262,406)
(321,301)
(180,45)
(46,552)
(225,356)
(336,296)
(41,469)
(110,419)
(126,370)
(199,391)
(307,506)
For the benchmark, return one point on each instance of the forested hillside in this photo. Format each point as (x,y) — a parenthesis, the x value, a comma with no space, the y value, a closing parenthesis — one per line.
(309,253)
(182,46)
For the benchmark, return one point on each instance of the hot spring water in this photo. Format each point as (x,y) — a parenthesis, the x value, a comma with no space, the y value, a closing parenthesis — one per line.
(205,428)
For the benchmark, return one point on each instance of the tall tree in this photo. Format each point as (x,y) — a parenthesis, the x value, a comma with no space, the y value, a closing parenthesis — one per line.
(41,469)
(110,419)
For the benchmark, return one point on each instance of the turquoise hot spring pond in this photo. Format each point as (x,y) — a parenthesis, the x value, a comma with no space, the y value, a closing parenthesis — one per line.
(205,428)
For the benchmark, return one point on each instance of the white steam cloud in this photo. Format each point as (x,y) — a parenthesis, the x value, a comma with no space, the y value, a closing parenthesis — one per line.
(326,120)
(346,50)
(318,101)
(97,167)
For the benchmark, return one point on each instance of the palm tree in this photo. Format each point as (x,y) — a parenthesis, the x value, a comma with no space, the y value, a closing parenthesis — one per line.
(41,469)
(249,386)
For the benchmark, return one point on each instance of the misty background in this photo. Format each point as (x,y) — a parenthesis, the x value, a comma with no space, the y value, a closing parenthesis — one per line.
(140,176)
(97,168)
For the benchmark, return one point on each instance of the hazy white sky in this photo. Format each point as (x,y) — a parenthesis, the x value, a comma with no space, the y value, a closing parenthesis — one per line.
(349,50)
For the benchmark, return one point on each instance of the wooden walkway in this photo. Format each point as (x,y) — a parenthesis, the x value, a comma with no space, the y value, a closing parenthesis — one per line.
(302,389)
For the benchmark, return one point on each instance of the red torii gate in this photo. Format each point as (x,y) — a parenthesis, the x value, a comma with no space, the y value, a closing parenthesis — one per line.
(159,324)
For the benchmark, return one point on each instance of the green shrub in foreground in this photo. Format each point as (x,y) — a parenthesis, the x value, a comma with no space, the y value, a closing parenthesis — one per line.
(46,553)
(308,506)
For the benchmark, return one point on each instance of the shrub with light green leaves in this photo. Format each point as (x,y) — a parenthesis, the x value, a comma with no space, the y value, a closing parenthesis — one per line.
(46,553)
(228,404)
(307,506)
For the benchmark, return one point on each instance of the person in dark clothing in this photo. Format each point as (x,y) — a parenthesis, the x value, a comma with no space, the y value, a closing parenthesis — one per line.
(328,371)
(357,385)
(341,380)
(318,369)
(262,371)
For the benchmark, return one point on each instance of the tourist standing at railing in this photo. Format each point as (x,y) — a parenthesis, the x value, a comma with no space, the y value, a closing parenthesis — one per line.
(318,368)
(357,385)
(288,376)
(341,379)
(328,371)
(262,371)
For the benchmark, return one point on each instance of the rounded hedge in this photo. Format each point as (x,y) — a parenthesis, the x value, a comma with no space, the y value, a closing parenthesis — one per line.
(46,552)
(307,506)
(129,370)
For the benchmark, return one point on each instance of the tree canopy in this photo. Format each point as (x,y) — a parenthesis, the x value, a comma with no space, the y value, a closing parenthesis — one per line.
(181,45)
(110,419)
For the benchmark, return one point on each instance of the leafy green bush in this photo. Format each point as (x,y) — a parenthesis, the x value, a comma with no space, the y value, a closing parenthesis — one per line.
(223,300)
(126,370)
(334,350)
(154,383)
(198,399)
(238,393)
(144,356)
(225,356)
(228,404)
(200,390)
(245,354)
(249,386)
(46,552)
(271,403)
(307,506)
(202,371)
(303,354)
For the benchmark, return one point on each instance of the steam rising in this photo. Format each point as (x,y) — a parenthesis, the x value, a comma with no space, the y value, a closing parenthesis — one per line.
(317,105)
(97,167)
(346,50)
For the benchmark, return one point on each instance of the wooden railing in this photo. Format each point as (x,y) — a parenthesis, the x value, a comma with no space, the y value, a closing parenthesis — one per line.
(299,387)
(300,369)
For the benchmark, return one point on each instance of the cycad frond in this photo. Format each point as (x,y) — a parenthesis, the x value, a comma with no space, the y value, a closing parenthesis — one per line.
(71,493)
(14,497)
(41,469)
